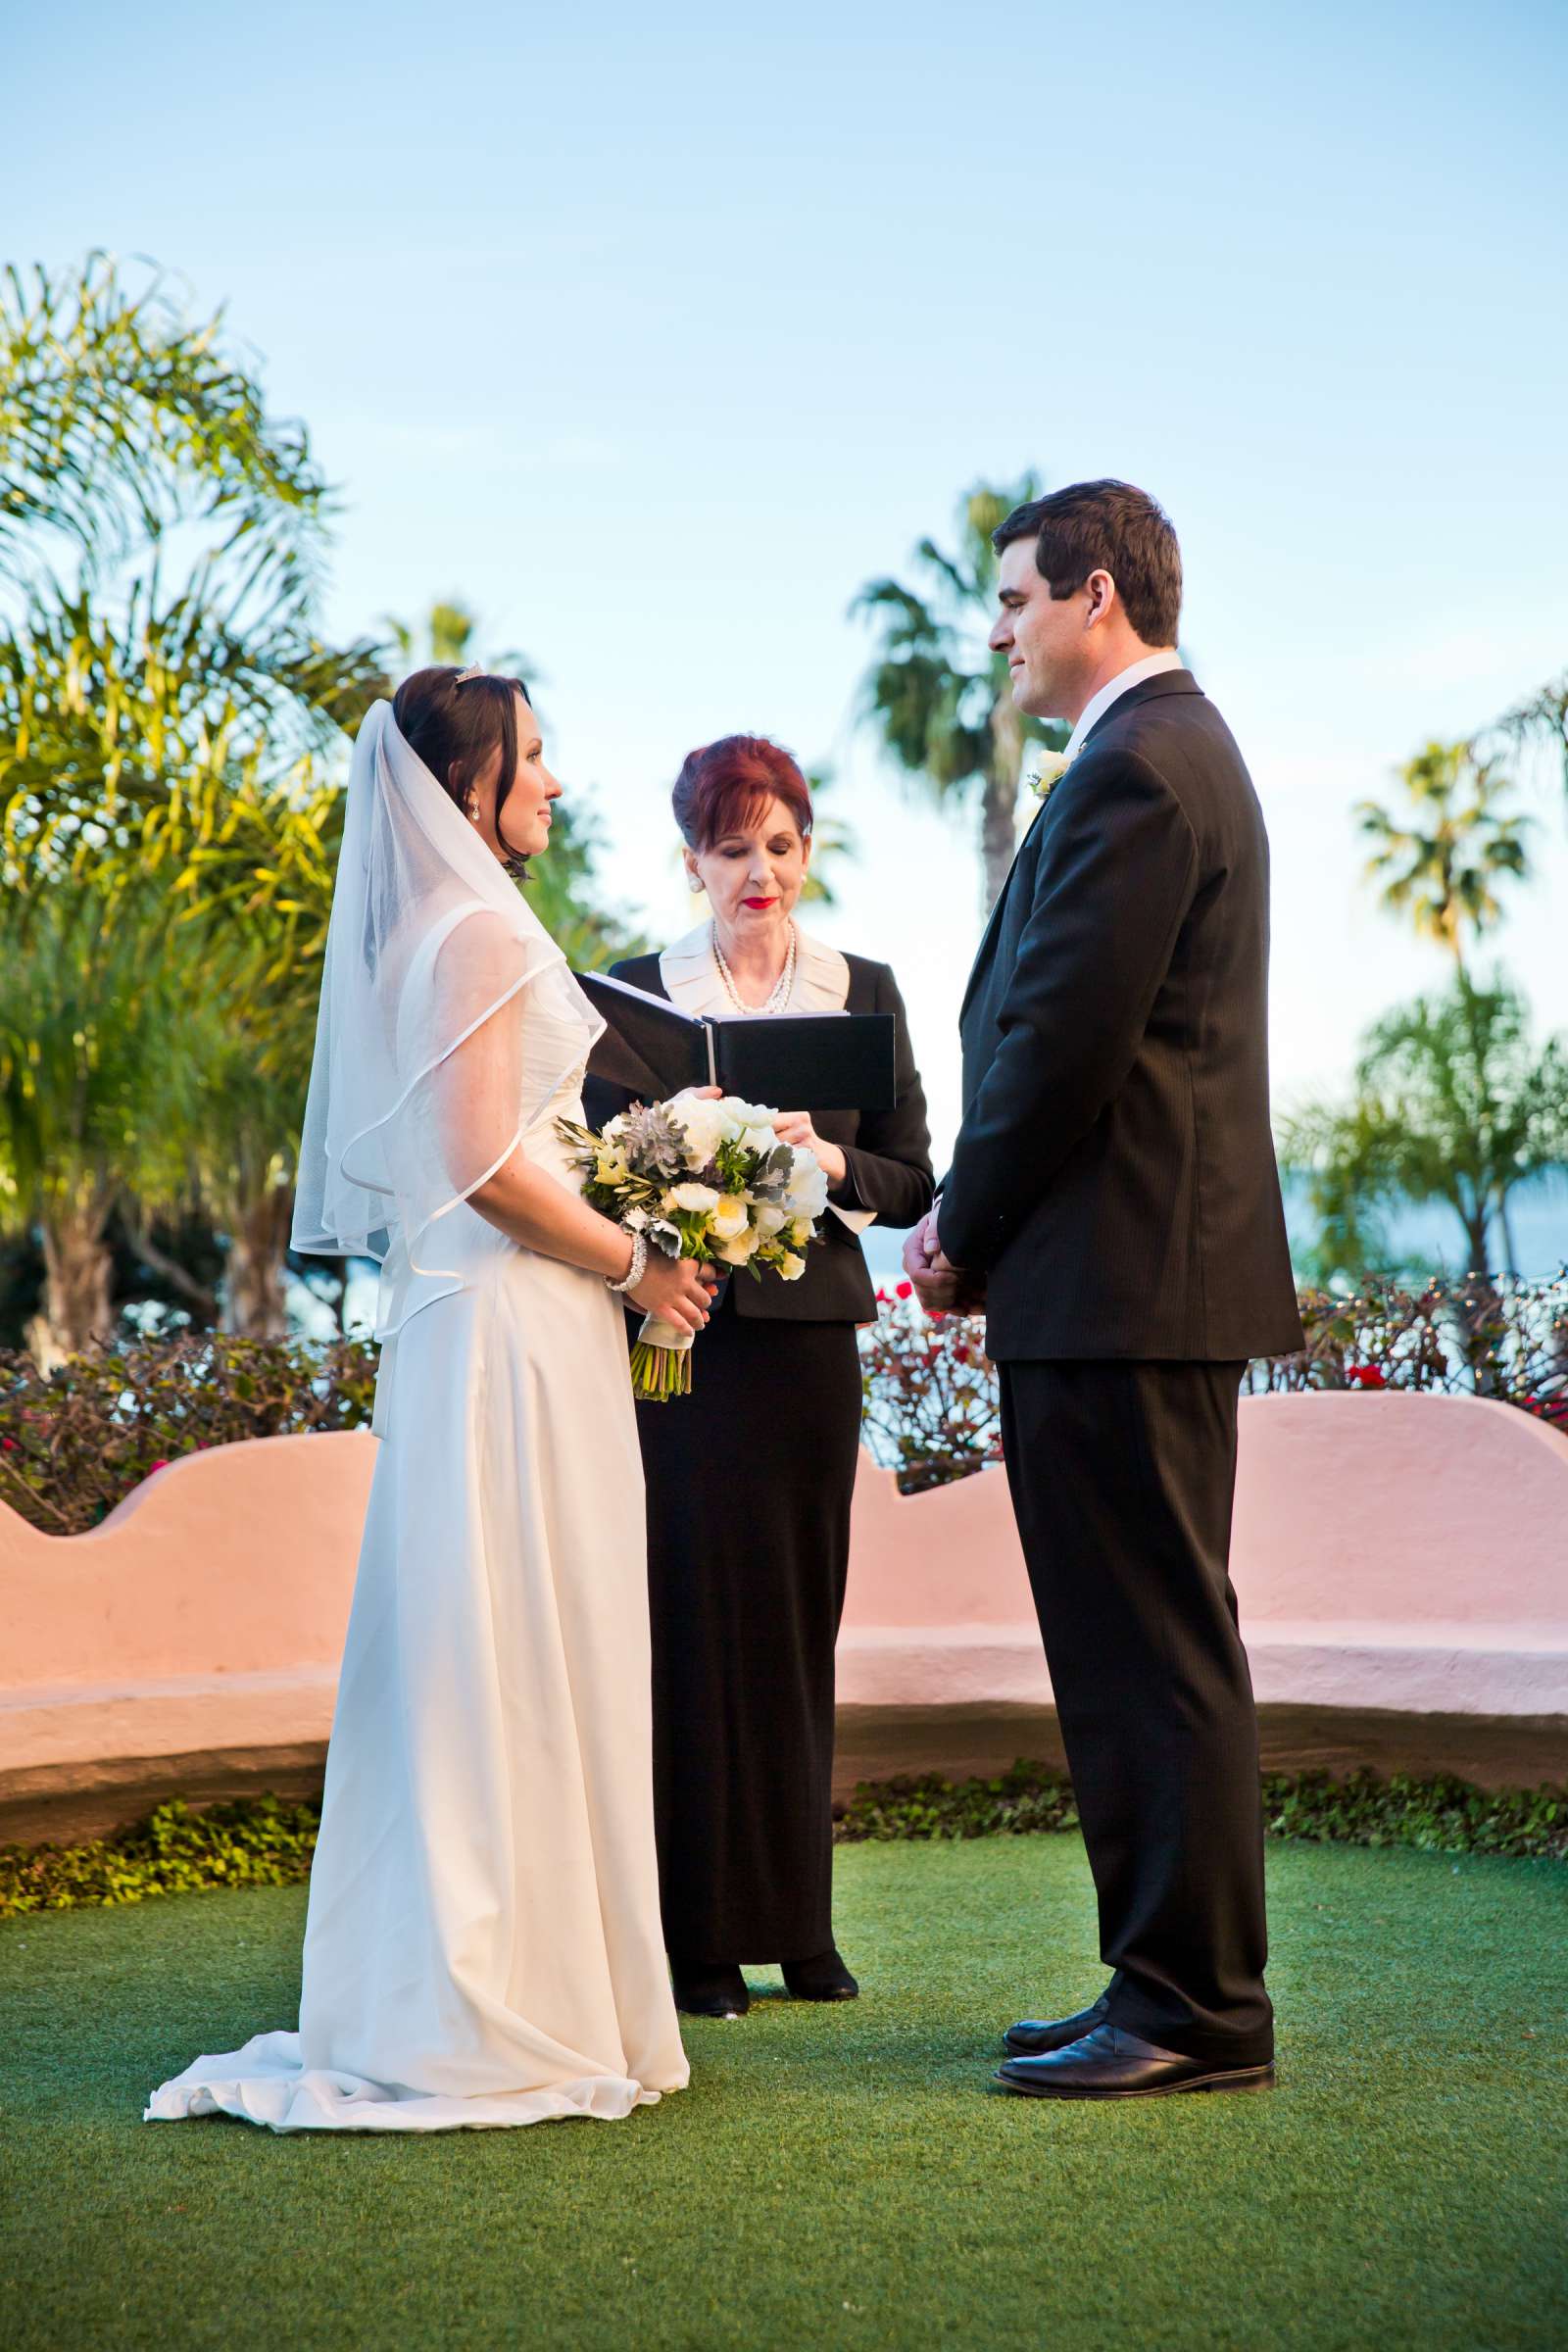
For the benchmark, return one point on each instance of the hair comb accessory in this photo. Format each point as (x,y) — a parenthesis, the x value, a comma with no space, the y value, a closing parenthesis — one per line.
(467,674)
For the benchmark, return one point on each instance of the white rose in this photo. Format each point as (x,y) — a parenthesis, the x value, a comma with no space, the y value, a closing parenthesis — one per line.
(1045,770)
(791,1267)
(744,1245)
(806,1193)
(769,1219)
(744,1114)
(705,1126)
(691,1197)
(729,1217)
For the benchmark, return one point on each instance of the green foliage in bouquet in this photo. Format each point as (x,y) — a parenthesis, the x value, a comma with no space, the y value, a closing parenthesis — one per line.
(77,1440)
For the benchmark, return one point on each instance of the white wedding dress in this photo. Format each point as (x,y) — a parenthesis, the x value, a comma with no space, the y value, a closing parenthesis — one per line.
(484,1943)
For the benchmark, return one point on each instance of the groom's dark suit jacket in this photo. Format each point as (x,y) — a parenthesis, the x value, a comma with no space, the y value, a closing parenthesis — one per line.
(1115,1175)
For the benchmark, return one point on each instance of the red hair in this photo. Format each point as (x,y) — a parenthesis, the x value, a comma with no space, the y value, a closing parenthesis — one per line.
(723,786)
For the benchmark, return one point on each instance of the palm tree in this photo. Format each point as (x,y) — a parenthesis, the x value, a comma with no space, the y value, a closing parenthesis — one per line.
(1542,719)
(1452,1104)
(1444,866)
(92,1100)
(940,700)
(832,840)
(150,732)
(445,636)
(121,416)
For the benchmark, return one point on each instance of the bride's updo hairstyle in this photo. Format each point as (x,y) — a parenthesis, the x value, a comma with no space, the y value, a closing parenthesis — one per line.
(454,724)
(725,786)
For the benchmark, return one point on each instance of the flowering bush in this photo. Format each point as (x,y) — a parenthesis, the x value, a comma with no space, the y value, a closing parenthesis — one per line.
(1487,1336)
(930,1390)
(931,1407)
(74,1444)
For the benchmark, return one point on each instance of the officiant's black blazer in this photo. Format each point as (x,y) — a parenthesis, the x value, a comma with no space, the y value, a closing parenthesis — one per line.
(1114,1175)
(889,1155)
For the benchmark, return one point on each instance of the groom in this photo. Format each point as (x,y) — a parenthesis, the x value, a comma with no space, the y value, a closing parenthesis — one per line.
(1113,1205)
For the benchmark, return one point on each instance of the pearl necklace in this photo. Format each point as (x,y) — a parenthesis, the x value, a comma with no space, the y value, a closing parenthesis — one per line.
(784,987)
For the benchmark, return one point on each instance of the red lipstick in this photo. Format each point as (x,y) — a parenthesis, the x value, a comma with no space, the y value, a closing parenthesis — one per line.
(758,906)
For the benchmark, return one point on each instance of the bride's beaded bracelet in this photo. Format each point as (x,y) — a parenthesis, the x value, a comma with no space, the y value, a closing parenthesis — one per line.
(638,1267)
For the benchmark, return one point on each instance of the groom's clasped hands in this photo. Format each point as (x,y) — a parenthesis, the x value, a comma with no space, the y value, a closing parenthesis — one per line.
(941,1287)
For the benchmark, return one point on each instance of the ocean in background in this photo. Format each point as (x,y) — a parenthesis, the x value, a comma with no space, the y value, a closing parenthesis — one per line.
(1429,1238)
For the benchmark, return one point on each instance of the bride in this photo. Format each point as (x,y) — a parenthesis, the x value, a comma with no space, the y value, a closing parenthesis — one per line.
(483,1942)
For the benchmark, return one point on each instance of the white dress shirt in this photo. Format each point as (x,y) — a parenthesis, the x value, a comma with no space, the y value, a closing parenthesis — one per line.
(1152,665)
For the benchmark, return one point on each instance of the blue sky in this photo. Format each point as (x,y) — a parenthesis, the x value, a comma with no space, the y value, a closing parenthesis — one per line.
(655,334)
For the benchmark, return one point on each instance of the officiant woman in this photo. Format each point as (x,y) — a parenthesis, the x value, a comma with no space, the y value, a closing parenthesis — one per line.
(750,1477)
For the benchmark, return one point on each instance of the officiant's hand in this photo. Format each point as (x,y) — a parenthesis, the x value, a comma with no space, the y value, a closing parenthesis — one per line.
(677,1289)
(793,1127)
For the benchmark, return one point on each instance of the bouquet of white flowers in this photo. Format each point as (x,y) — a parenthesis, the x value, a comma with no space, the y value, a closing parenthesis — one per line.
(702,1179)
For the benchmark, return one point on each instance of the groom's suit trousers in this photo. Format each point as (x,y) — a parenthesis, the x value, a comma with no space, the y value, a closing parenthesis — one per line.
(1122,1476)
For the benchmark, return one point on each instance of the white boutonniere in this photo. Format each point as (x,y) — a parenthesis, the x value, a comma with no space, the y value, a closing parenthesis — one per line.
(1044,772)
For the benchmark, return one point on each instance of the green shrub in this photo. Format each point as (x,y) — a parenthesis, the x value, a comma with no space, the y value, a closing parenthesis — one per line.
(74,1443)
(1442,1815)
(268,1841)
(255,1841)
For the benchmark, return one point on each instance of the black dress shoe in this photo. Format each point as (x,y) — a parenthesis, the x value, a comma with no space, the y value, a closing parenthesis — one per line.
(1113,2064)
(822,1977)
(709,1988)
(1034,2036)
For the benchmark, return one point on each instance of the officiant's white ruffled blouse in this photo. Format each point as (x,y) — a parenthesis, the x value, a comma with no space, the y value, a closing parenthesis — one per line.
(691,980)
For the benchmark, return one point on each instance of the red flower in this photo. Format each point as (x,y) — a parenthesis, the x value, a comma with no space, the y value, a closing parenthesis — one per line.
(162,1465)
(10,1444)
(905,1290)
(1365,1376)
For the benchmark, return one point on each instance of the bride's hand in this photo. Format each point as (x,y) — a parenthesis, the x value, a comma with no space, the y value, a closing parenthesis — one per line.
(793,1127)
(677,1289)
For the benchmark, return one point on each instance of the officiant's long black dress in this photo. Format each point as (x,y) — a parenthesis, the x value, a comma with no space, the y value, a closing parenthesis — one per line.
(749,1486)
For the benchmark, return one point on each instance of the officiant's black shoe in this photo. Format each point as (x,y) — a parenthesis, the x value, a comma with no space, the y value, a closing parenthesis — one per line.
(822,1977)
(1113,2064)
(1033,2036)
(709,1988)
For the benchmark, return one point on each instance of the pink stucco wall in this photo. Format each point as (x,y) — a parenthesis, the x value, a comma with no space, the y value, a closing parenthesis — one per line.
(1390,1553)
(1404,1552)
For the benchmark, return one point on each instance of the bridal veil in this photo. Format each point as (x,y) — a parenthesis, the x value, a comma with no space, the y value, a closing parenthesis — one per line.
(419,1091)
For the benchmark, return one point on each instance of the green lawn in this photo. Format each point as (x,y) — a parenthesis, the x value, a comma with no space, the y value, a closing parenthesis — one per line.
(836,2177)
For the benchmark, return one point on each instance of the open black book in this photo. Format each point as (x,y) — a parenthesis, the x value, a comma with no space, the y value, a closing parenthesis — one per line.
(791,1061)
